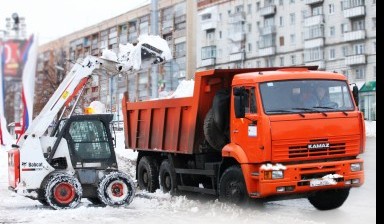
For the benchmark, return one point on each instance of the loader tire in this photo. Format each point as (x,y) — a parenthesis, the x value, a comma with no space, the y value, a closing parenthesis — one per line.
(63,191)
(116,189)
(329,199)
(147,174)
(214,137)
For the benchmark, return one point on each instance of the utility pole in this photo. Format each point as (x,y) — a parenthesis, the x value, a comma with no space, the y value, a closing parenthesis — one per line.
(154,31)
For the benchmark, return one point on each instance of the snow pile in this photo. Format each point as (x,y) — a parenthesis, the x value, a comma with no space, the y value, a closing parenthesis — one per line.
(109,55)
(184,89)
(332,176)
(269,166)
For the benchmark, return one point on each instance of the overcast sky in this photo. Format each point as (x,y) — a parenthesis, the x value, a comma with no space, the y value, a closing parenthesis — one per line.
(51,19)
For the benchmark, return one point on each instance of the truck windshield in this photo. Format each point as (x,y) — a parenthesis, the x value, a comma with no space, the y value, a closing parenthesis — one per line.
(298,96)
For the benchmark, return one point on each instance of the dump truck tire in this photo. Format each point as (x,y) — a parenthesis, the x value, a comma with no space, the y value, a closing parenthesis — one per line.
(63,191)
(116,189)
(329,199)
(232,186)
(147,174)
(214,137)
(167,178)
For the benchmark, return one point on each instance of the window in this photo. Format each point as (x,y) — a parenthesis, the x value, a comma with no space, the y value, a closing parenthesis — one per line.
(358,49)
(257,6)
(293,39)
(281,2)
(208,52)
(281,61)
(180,49)
(270,62)
(250,100)
(281,23)
(332,31)
(318,10)
(345,51)
(89,140)
(239,8)
(374,23)
(332,54)
(344,28)
(249,27)
(293,59)
(374,47)
(249,8)
(207,16)
(281,40)
(358,25)
(258,63)
(249,47)
(360,73)
(331,8)
(210,34)
(313,54)
(269,21)
(292,18)
(291,1)
(220,34)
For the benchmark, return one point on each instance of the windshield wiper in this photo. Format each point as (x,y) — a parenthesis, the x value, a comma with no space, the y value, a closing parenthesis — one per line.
(285,111)
(312,109)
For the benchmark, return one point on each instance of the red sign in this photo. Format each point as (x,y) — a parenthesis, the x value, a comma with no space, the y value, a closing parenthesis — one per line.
(13,60)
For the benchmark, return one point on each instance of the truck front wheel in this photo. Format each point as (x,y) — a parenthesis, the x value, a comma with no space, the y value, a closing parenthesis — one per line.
(147,174)
(167,178)
(329,199)
(232,186)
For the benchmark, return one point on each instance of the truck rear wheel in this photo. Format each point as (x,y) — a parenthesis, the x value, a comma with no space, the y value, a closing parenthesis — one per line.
(116,189)
(214,137)
(167,178)
(63,191)
(329,199)
(232,186)
(147,174)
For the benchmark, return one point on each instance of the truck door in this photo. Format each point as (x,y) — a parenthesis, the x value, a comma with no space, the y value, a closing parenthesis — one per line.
(245,130)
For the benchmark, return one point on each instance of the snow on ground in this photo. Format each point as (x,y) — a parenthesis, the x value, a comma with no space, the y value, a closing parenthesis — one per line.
(161,208)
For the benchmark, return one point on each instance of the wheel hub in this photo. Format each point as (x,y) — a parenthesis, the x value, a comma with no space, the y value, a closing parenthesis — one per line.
(64,193)
(117,190)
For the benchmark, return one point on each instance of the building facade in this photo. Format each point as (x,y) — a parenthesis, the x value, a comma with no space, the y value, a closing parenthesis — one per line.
(176,23)
(334,35)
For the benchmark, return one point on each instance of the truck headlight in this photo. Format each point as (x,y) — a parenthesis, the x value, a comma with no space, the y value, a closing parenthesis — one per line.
(356,167)
(273,174)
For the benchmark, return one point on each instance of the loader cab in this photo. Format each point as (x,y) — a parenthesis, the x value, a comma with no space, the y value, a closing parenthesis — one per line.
(89,140)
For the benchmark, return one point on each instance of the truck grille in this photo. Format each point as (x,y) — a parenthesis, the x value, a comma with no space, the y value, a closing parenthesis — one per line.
(299,151)
(319,148)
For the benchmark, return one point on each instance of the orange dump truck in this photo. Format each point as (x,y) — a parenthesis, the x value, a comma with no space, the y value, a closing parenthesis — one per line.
(252,133)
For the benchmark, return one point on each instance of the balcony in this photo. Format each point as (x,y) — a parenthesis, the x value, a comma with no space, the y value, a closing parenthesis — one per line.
(268,51)
(208,62)
(239,56)
(208,25)
(354,11)
(268,10)
(268,30)
(318,42)
(311,2)
(320,64)
(354,35)
(237,36)
(314,20)
(179,33)
(237,17)
(357,59)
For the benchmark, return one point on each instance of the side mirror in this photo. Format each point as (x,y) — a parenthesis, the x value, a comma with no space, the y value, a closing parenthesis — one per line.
(355,93)
(239,101)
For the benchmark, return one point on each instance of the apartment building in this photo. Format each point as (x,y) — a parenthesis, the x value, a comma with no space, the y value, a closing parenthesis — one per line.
(176,23)
(334,35)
